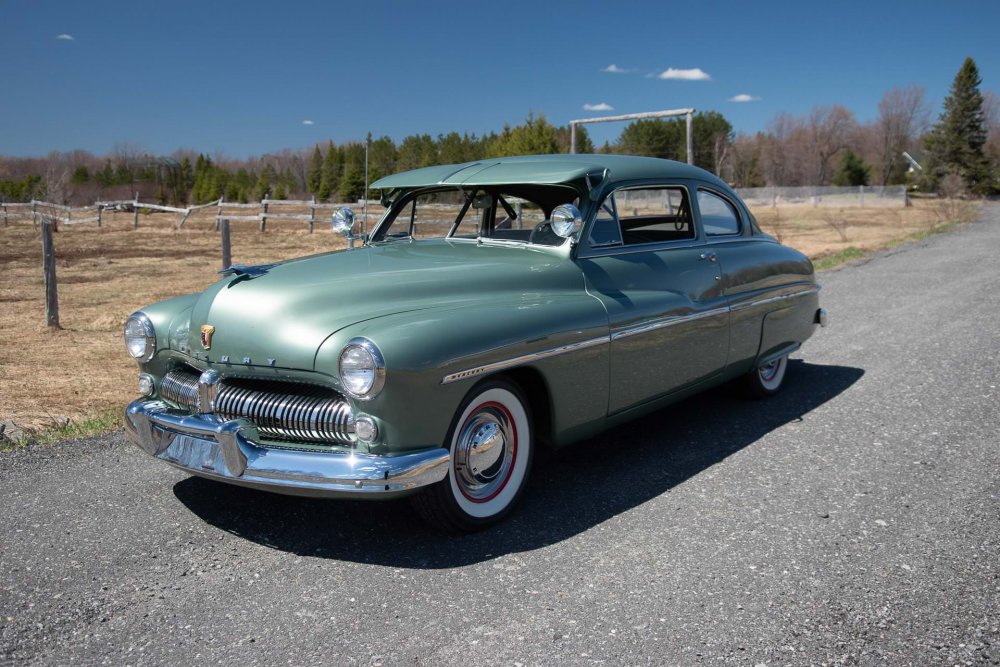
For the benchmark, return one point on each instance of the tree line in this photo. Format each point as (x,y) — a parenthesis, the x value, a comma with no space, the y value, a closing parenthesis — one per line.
(961,151)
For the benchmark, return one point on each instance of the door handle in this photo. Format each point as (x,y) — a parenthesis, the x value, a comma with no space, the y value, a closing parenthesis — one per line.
(710,256)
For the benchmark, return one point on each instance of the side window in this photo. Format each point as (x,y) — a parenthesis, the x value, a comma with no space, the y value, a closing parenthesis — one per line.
(717,215)
(632,216)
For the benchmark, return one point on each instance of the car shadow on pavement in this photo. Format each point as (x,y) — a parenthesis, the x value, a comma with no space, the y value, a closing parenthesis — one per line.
(570,491)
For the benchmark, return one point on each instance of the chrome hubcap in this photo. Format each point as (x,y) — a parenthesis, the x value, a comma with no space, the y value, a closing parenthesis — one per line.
(768,371)
(484,454)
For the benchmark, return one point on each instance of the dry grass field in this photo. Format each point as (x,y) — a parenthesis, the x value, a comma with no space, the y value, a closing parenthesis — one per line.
(77,379)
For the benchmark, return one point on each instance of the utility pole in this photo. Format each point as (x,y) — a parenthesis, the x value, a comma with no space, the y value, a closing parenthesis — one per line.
(364,219)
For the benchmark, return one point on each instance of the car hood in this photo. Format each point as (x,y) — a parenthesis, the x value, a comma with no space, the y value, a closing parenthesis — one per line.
(286,313)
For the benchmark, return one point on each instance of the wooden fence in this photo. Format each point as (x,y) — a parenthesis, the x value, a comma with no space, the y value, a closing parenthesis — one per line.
(266,209)
(49,216)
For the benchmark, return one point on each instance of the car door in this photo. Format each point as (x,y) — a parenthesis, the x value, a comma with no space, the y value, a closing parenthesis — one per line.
(646,261)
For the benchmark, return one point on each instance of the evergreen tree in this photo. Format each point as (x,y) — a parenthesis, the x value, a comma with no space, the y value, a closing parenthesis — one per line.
(185,175)
(955,144)
(652,138)
(452,148)
(352,177)
(106,176)
(264,182)
(315,171)
(81,174)
(852,171)
(381,158)
(417,151)
(536,137)
(710,131)
(330,178)
(565,139)
(123,175)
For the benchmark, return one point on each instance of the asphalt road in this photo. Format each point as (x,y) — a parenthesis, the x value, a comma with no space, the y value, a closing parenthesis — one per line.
(854,519)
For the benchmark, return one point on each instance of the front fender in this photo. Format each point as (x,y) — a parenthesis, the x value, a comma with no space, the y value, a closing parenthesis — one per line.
(422,348)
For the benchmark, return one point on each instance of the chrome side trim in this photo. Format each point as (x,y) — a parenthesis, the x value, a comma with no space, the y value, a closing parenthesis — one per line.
(622,333)
(525,358)
(667,322)
(773,299)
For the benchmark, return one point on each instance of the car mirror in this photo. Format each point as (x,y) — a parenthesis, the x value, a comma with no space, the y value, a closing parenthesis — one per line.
(566,220)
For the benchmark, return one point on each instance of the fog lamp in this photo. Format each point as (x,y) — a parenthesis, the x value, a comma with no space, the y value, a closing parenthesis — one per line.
(365,429)
(145,385)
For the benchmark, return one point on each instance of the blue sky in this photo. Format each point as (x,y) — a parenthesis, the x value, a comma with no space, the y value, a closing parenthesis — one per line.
(252,77)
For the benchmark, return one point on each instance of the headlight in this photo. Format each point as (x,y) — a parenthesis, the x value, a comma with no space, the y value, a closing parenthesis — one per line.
(362,369)
(140,339)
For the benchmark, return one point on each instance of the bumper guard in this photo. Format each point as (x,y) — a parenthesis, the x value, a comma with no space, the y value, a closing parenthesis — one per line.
(208,446)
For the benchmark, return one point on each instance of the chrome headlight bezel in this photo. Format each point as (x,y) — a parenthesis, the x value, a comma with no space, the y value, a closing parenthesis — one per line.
(146,325)
(376,364)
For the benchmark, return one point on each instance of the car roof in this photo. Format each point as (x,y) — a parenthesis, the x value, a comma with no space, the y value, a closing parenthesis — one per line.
(543,170)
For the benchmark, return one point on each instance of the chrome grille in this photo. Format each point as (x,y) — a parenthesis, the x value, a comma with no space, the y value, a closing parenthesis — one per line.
(181,388)
(296,412)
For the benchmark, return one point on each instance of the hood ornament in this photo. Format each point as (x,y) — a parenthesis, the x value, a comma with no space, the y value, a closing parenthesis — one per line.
(246,272)
(206,335)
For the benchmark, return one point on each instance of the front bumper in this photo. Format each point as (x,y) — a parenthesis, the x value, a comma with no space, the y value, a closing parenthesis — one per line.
(208,446)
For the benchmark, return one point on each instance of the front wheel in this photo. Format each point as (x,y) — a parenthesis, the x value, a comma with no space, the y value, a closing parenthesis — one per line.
(491,444)
(765,381)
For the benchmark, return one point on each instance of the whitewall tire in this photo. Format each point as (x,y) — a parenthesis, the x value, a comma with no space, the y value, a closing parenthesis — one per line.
(491,442)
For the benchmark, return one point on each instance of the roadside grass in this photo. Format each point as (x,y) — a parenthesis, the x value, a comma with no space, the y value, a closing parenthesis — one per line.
(104,422)
(852,254)
(848,254)
(74,382)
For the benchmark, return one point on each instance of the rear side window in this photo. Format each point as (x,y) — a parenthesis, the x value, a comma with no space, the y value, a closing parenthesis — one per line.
(718,215)
(633,216)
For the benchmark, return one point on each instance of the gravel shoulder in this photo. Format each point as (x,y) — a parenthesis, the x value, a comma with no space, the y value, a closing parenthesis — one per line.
(854,519)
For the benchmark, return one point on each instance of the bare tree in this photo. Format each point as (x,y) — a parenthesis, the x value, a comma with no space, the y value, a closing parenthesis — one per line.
(774,154)
(828,131)
(903,116)
(743,166)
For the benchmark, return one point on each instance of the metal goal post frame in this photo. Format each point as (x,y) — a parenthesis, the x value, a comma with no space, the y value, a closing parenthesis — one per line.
(669,113)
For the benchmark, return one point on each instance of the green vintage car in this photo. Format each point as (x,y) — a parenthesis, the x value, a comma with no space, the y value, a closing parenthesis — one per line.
(497,307)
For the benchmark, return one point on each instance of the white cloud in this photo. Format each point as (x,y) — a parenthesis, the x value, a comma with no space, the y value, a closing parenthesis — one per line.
(66,37)
(695,74)
(603,106)
(743,97)
(308,122)
(615,69)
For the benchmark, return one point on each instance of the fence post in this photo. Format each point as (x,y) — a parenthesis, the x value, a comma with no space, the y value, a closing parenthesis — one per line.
(135,212)
(34,214)
(861,194)
(218,212)
(312,214)
(4,211)
(227,250)
(49,267)
(263,213)
(100,211)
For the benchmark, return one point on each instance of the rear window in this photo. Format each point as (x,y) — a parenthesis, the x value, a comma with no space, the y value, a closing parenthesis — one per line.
(718,215)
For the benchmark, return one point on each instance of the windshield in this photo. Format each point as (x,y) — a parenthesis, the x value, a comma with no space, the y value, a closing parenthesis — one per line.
(505,214)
